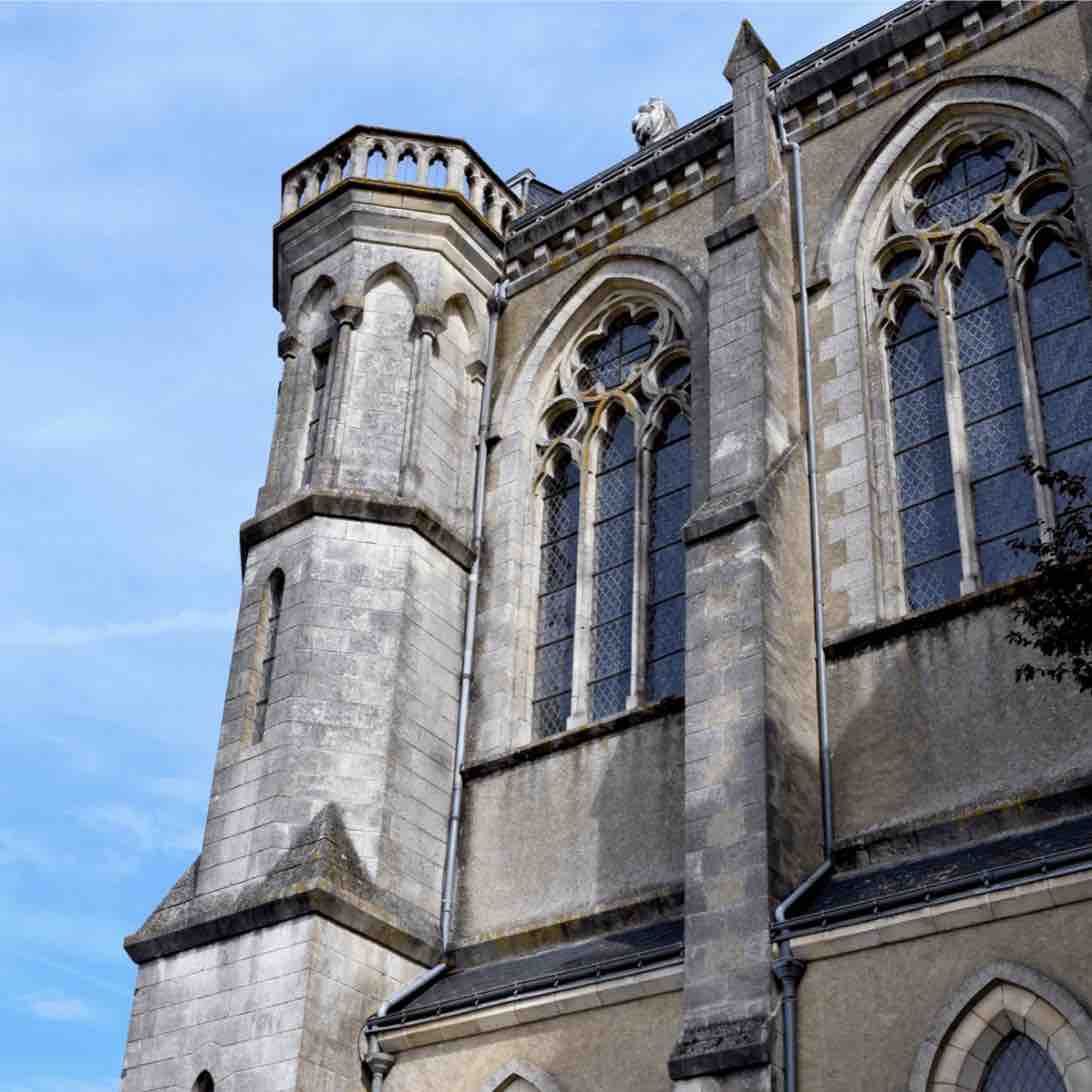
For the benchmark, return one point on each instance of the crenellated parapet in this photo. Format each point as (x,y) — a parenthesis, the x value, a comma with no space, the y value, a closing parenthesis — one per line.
(389,157)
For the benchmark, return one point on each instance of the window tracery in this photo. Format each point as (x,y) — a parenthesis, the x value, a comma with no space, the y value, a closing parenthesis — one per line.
(984,315)
(614,486)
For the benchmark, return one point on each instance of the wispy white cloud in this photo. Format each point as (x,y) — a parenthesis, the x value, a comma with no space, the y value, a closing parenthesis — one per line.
(74,429)
(58,1007)
(186,790)
(45,635)
(149,831)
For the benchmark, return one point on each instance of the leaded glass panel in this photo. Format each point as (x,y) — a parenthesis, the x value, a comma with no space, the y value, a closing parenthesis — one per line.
(993,410)
(669,508)
(923,465)
(959,193)
(556,599)
(1019,1064)
(612,573)
(627,343)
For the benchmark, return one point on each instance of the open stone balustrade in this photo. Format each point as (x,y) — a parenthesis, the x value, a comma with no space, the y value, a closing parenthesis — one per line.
(402,158)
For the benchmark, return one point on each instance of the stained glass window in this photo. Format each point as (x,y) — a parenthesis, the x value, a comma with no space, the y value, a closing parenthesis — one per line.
(557,598)
(592,556)
(923,464)
(626,344)
(959,193)
(612,572)
(993,411)
(969,401)
(1061,337)
(1019,1064)
(669,507)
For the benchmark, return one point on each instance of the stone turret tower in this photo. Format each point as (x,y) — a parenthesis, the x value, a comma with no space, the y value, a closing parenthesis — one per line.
(317,890)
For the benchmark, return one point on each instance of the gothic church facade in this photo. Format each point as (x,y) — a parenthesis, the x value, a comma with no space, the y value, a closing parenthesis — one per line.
(620,699)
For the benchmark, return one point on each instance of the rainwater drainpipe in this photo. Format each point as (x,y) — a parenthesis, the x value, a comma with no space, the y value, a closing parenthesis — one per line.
(380,1062)
(789,970)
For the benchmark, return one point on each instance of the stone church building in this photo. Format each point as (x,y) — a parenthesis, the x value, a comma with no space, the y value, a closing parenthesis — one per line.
(540,770)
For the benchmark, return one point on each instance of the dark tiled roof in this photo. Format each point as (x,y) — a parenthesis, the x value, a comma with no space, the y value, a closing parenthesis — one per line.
(539,194)
(569,965)
(848,895)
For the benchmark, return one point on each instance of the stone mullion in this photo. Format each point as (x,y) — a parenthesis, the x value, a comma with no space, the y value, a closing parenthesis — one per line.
(1029,389)
(639,640)
(585,598)
(427,327)
(971,578)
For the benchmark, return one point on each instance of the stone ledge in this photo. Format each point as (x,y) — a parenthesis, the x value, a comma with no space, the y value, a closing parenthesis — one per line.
(742,225)
(362,507)
(321,900)
(717,517)
(720,1048)
(574,737)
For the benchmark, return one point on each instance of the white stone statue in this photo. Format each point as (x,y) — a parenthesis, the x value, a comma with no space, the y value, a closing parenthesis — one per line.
(653,120)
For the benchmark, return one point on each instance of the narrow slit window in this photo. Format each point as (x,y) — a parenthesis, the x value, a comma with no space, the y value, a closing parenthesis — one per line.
(268,630)
(318,407)
(669,508)
(612,572)
(557,598)
(407,167)
(437,172)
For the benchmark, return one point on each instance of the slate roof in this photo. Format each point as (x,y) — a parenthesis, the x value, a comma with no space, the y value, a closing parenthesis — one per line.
(569,965)
(971,869)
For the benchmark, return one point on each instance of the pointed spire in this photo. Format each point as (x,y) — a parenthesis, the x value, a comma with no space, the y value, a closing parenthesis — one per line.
(749,48)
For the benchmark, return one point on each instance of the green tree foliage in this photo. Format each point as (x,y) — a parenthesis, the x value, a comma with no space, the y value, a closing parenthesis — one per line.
(1056,613)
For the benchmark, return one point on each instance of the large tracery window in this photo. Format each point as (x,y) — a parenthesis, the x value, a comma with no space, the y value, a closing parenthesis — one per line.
(614,490)
(984,310)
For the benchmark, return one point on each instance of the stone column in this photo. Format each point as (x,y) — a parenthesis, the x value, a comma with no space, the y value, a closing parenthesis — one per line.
(279,471)
(347,313)
(428,324)
(751,773)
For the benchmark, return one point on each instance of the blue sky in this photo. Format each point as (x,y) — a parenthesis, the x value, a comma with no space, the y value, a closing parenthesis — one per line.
(141,160)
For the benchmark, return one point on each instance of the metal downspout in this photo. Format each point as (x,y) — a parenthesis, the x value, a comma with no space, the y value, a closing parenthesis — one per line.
(379,1062)
(788,969)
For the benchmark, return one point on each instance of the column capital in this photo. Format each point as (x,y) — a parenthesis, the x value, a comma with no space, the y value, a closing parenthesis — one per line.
(348,310)
(288,344)
(428,320)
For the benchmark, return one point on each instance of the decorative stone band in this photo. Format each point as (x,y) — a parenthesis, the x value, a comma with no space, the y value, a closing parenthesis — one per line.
(543,1005)
(369,507)
(944,917)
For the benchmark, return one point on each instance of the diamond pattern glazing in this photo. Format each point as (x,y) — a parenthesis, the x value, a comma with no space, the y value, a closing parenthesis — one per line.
(959,193)
(627,343)
(1019,1064)
(934,583)
(929,530)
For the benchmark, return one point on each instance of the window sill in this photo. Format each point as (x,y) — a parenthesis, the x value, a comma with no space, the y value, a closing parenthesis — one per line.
(882,633)
(574,737)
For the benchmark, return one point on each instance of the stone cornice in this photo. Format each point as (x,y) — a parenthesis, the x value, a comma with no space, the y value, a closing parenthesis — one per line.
(363,507)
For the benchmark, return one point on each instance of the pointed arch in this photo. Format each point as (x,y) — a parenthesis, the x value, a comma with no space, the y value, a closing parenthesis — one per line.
(314,307)
(519,1070)
(204,1082)
(393,271)
(1001,1000)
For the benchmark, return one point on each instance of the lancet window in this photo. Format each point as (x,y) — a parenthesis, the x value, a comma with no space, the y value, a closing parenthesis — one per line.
(614,492)
(1020,1064)
(983,298)
(268,626)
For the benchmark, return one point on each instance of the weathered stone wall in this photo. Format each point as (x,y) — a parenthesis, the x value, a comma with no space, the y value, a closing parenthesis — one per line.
(273,1010)
(593,828)
(362,710)
(929,724)
(863,1016)
(620,1048)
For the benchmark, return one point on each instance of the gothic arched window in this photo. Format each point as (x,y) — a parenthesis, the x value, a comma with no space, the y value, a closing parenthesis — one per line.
(1019,1064)
(615,492)
(985,317)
